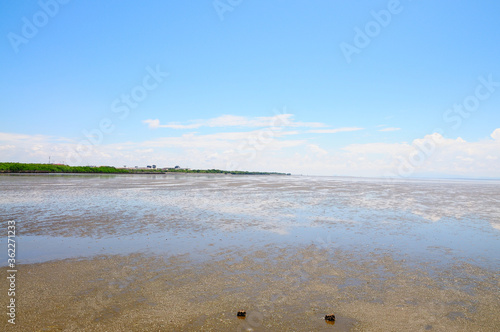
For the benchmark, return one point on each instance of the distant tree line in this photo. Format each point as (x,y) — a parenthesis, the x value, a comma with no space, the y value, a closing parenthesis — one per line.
(55,168)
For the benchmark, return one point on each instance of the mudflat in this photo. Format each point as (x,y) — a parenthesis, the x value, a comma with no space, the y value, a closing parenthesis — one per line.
(282,289)
(186,253)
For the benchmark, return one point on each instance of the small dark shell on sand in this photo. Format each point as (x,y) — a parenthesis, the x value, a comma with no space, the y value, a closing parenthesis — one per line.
(330,318)
(241,313)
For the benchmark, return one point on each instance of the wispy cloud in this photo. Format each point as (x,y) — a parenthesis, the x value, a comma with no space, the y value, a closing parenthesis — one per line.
(153,124)
(280,120)
(496,134)
(220,140)
(22,137)
(334,130)
(316,149)
(390,129)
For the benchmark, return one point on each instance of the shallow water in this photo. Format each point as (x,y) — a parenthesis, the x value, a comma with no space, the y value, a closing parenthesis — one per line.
(64,216)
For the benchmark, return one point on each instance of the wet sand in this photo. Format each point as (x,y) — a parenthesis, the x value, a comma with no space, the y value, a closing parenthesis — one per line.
(282,289)
(185,253)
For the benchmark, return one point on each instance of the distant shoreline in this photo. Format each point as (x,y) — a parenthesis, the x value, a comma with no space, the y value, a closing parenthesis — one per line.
(31,168)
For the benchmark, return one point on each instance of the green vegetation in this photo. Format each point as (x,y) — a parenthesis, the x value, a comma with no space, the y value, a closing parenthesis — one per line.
(55,168)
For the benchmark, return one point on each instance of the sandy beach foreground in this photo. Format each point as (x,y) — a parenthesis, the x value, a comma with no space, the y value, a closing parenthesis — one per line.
(186,253)
(282,289)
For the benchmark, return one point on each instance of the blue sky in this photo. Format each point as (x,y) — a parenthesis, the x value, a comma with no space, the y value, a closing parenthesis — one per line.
(363,88)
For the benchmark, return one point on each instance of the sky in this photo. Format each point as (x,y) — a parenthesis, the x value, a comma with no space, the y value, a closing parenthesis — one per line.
(406,88)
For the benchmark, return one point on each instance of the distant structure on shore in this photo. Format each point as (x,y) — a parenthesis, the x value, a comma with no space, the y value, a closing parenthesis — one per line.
(150,167)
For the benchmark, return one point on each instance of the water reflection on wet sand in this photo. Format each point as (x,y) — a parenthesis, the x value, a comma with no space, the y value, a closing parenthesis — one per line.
(185,252)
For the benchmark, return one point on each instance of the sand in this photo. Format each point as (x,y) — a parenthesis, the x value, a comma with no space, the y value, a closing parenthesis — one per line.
(282,289)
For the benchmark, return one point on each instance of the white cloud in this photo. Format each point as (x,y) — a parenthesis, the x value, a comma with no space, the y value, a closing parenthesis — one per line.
(432,154)
(21,137)
(257,139)
(152,123)
(7,147)
(316,149)
(156,124)
(390,129)
(334,130)
(466,159)
(272,149)
(496,134)
(280,120)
